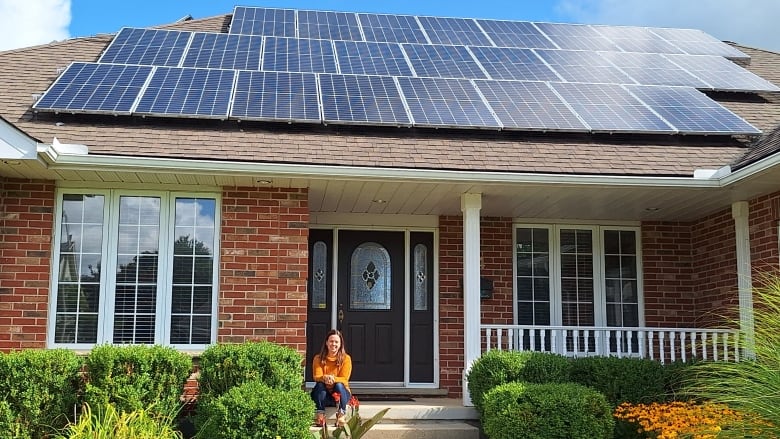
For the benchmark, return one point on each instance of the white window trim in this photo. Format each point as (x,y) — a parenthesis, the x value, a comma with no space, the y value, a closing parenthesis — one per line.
(599,294)
(109,261)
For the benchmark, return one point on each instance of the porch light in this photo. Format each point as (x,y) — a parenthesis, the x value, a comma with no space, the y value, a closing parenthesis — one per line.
(652,209)
(379,201)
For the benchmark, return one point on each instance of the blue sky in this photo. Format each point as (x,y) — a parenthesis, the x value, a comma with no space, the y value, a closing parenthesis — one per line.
(750,22)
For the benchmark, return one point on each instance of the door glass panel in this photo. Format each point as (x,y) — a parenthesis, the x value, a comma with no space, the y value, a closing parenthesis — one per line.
(136,277)
(78,286)
(577,295)
(370,278)
(620,270)
(319,276)
(420,277)
(533,276)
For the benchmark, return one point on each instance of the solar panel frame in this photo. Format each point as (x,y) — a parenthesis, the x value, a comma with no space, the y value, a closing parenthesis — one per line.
(690,111)
(276,22)
(721,74)
(276,96)
(153,47)
(187,92)
(440,102)
(583,66)
(576,36)
(610,108)
(298,55)
(95,88)
(372,58)
(512,63)
(440,61)
(457,31)
(521,34)
(329,25)
(392,28)
(529,106)
(224,51)
(653,69)
(362,99)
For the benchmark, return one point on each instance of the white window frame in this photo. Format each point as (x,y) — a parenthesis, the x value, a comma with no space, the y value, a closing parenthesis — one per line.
(109,249)
(599,293)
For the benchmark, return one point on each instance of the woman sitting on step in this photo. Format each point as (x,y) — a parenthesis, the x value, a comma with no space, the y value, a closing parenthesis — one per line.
(331,369)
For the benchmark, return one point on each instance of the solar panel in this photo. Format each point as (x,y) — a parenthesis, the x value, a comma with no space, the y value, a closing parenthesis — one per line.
(637,39)
(371,58)
(224,51)
(513,63)
(576,36)
(362,99)
(329,25)
(696,42)
(151,47)
(691,111)
(177,91)
(463,31)
(722,74)
(439,61)
(439,102)
(653,69)
(95,88)
(583,66)
(610,108)
(278,96)
(391,28)
(515,34)
(529,106)
(298,55)
(263,21)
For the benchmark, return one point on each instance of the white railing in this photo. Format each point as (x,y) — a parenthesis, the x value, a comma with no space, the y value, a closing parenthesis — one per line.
(661,344)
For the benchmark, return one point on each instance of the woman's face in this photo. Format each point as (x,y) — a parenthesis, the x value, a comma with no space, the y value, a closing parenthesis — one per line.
(334,343)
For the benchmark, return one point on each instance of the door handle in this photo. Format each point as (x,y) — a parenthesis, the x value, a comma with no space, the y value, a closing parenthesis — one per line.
(341,313)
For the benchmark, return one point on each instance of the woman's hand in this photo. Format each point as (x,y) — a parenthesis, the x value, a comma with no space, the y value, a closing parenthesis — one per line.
(329,379)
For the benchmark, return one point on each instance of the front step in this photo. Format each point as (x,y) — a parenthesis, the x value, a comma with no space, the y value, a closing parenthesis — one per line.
(424,418)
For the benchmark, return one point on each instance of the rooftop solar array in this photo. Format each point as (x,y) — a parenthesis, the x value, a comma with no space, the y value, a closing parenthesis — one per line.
(403,70)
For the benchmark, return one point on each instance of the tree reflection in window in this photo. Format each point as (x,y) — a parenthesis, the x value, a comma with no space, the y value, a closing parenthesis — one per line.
(370,278)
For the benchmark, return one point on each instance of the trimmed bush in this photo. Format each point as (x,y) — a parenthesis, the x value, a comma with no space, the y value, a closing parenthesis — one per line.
(253,410)
(137,377)
(39,389)
(620,380)
(546,411)
(500,367)
(224,366)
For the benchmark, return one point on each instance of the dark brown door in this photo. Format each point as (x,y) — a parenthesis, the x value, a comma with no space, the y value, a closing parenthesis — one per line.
(370,303)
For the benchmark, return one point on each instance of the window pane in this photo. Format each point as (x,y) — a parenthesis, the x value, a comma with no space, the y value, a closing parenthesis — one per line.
(533,271)
(420,277)
(78,278)
(319,280)
(369,286)
(621,263)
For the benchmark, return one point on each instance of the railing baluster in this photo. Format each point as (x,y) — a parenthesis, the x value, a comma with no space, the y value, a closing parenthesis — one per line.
(672,347)
(715,346)
(661,346)
(650,343)
(682,346)
(642,347)
(703,336)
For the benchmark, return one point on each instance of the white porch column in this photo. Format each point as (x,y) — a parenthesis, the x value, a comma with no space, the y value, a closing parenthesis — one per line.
(470,204)
(740,211)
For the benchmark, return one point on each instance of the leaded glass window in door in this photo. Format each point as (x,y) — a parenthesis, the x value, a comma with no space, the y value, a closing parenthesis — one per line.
(319,277)
(370,285)
(420,277)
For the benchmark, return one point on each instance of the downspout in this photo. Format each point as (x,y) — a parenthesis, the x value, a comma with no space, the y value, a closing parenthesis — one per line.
(740,211)
(470,205)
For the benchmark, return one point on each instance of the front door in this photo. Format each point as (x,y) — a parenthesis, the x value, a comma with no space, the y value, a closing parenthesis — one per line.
(370,303)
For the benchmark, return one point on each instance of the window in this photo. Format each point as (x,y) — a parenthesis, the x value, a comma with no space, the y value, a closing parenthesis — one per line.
(580,276)
(135,268)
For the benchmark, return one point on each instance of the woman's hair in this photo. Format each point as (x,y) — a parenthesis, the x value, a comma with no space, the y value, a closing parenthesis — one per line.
(324,349)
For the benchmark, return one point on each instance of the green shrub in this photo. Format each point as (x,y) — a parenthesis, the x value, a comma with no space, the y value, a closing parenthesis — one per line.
(224,366)
(546,411)
(625,379)
(253,410)
(137,377)
(106,423)
(39,388)
(500,367)
(677,376)
(10,428)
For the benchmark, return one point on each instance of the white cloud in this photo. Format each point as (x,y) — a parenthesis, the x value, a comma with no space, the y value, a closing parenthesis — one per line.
(748,22)
(29,22)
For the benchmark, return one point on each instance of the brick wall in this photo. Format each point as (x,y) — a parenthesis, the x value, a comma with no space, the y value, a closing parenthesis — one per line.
(26,224)
(263,266)
(764,240)
(496,257)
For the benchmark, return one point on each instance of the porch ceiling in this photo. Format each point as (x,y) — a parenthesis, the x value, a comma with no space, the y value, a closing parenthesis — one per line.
(543,197)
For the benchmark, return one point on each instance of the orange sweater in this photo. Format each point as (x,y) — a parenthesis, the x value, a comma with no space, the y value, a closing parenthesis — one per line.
(341,374)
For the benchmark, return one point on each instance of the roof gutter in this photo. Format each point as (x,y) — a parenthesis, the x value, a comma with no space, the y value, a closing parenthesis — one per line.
(59,160)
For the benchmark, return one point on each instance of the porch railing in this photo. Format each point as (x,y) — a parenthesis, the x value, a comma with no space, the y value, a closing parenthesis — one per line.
(661,344)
